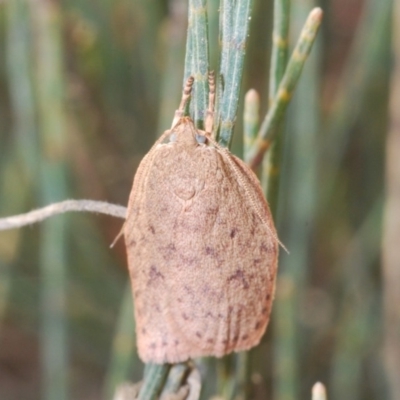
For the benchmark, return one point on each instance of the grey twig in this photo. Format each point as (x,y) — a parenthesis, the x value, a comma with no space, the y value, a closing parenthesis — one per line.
(102,207)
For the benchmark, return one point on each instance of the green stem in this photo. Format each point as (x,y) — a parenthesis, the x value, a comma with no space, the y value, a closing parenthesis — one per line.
(154,379)
(232,60)
(21,90)
(279,45)
(270,125)
(123,345)
(175,379)
(23,150)
(242,375)
(279,54)
(198,42)
(365,57)
(250,122)
(52,129)
(296,222)
(189,50)
(357,318)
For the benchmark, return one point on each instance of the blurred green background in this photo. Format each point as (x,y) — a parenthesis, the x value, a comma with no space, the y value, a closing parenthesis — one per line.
(85,88)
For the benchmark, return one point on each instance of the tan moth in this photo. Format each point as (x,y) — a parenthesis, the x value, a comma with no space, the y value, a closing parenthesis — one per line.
(202,247)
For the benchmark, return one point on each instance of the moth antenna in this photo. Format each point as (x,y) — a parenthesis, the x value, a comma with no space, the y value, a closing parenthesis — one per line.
(225,153)
(187,90)
(211,103)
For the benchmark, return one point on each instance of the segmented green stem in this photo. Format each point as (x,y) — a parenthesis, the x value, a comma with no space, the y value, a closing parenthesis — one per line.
(123,345)
(175,378)
(279,45)
(270,125)
(365,57)
(154,379)
(357,317)
(52,122)
(20,83)
(250,122)
(297,219)
(198,42)
(279,54)
(232,59)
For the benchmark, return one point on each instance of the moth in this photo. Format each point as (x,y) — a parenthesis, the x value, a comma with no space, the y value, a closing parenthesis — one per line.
(201,244)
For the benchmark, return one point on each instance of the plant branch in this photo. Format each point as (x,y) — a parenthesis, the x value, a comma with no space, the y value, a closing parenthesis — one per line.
(279,45)
(175,381)
(102,207)
(154,379)
(270,125)
(250,122)
(279,57)
(198,41)
(232,59)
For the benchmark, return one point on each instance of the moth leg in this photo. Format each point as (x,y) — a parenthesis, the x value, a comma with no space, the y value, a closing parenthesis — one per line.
(187,90)
(209,123)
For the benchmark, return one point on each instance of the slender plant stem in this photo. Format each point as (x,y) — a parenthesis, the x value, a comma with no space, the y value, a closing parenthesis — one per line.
(53,186)
(213,10)
(357,313)
(21,89)
(242,376)
(154,379)
(298,178)
(225,33)
(270,125)
(123,345)
(19,158)
(232,60)
(250,129)
(175,379)
(17,221)
(250,122)
(365,57)
(188,68)
(226,20)
(198,40)
(284,386)
(279,54)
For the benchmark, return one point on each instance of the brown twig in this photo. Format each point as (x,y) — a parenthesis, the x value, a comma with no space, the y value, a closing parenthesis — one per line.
(34,216)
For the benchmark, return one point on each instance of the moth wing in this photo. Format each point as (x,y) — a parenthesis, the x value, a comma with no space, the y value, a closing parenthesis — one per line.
(202,263)
(225,302)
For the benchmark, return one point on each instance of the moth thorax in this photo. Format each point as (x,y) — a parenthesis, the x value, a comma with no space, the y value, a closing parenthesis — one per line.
(186,134)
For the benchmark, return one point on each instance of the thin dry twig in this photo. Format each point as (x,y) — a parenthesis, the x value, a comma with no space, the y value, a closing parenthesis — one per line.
(101,207)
